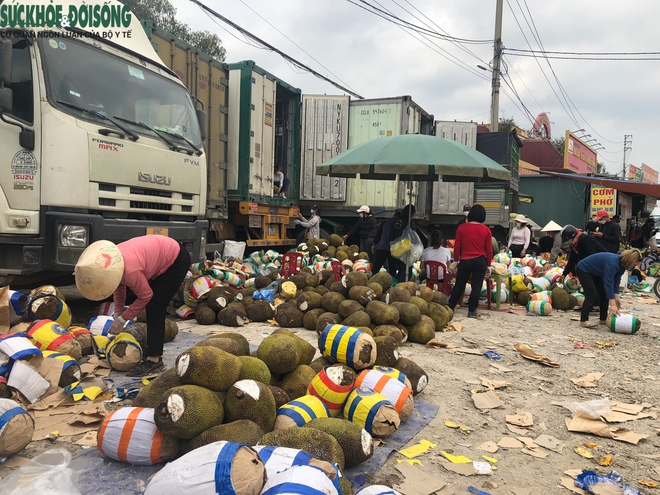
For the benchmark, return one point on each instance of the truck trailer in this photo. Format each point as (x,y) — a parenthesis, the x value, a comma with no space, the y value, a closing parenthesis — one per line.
(98,139)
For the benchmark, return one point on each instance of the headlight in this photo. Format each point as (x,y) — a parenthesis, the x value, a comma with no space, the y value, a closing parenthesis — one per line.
(73,235)
(202,246)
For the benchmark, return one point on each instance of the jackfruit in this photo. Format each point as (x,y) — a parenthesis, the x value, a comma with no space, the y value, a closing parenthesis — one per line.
(409,314)
(450,313)
(188,410)
(295,383)
(311,280)
(440,298)
(247,399)
(331,301)
(366,330)
(307,350)
(245,292)
(319,363)
(315,442)
(260,311)
(376,288)
(335,240)
(288,290)
(348,307)
(357,319)
(404,331)
(560,299)
(423,331)
(339,288)
(326,319)
(321,289)
(289,317)
(386,351)
(373,411)
(227,345)
(347,345)
(309,300)
(241,431)
(139,332)
(524,297)
(356,443)
(208,367)
(354,279)
(219,297)
(397,294)
(243,344)
(233,316)
(417,376)
(47,290)
(262,281)
(346,486)
(280,396)
(247,302)
(389,331)
(149,395)
(363,295)
(384,279)
(204,315)
(309,320)
(572,301)
(426,293)
(281,353)
(382,314)
(411,287)
(439,316)
(254,369)
(171,330)
(421,304)
(300,281)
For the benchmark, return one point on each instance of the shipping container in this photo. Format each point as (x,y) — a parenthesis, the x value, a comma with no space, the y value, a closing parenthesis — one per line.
(547,192)
(264,116)
(206,80)
(448,198)
(503,148)
(324,135)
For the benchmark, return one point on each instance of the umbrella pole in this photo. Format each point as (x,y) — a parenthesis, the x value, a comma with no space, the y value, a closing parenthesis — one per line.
(409,219)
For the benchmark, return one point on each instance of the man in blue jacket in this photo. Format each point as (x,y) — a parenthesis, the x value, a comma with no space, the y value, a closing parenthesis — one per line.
(600,276)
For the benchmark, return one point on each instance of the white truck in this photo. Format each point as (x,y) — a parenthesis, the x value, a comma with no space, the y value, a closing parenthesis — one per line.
(98,138)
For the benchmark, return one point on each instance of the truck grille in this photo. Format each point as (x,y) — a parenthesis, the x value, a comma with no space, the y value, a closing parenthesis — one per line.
(112,197)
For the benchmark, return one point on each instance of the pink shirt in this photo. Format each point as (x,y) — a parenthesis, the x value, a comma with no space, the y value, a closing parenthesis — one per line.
(145,258)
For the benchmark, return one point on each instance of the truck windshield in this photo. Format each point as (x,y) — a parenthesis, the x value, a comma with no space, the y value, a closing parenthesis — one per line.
(86,77)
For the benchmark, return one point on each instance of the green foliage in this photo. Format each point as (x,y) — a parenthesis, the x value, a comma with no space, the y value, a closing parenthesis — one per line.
(163,14)
(506,124)
(559,143)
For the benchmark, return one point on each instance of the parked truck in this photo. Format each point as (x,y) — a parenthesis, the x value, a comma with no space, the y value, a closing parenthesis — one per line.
(253,126)
(98,138)
(332,124)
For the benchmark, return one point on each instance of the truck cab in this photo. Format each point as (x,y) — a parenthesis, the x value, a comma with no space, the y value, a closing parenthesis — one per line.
(98,140)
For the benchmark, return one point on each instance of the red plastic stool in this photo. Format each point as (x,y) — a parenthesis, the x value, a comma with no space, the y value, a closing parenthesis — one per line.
(338,270)
(432,281)
(291,264)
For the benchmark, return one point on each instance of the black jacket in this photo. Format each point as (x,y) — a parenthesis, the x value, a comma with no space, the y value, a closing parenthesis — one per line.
(611,237)
(586,246)
(365,226)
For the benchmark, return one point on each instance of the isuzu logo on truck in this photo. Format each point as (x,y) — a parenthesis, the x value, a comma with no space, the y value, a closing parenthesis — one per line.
(155,179)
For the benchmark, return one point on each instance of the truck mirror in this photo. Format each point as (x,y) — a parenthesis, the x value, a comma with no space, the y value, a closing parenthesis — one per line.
(6,94)
(26,139)
(201,118)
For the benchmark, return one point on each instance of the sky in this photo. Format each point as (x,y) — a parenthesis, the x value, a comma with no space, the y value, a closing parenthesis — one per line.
(376,59)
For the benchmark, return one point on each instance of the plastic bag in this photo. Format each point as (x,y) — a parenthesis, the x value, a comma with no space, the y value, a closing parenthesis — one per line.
(234,249)
(267,293)
(408,248)
(50,473)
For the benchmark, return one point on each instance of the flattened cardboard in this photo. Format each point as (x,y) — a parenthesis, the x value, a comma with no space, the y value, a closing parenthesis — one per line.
(50,369)
(528,353)
(418,482)
(14,461)
(5,315)
(462,469)
(550,443)
(582,423)
(490,447)
(516,430)
(521,418)
(589,380)
(529,443)
(501,367)
(570,484)
(492,384)
(619,417)
(486,400)
(88,440)
(510,443)
(626,408)
(535,453)
(76,422)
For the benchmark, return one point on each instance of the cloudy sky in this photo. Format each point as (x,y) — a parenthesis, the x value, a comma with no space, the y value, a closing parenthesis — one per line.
(376,58)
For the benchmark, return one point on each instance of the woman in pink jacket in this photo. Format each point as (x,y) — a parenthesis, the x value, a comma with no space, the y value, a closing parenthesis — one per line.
(153,267)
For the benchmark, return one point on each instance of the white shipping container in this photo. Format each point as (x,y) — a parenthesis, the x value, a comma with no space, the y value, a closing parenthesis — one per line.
(262,131)
(324,135)
(450,197)
(373,119)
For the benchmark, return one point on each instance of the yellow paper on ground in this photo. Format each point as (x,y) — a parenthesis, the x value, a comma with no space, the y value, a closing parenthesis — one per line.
(456,459)
(419,448)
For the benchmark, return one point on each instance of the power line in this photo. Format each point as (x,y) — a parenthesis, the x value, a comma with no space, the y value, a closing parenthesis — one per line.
(298,64)
(592,54)
(533,54)
(300,47)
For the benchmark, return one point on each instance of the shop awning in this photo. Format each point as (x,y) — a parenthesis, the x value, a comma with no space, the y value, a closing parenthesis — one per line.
(644,188)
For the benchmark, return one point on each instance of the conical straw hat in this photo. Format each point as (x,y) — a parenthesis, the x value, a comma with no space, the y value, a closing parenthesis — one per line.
(552,226)
(99,270)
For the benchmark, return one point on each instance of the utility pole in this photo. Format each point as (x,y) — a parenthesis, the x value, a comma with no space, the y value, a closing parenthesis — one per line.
(627,146)
(497,54)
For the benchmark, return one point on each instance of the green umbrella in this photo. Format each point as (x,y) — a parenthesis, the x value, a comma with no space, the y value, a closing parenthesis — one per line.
(412,157)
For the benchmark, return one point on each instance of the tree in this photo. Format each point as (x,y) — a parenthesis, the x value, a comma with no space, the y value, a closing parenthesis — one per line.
(506,124)
(560,144)
(600,169)
(163,14)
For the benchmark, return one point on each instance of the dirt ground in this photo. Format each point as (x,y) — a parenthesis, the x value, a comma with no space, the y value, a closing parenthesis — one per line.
(631,371)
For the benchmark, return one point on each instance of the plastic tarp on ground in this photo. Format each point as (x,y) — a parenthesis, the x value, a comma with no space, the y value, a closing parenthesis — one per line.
(117,478)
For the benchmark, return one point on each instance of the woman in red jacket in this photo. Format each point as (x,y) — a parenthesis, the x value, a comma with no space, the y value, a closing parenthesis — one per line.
(473,249)
(153,267)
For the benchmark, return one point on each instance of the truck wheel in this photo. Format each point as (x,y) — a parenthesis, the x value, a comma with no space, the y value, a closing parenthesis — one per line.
(656,288)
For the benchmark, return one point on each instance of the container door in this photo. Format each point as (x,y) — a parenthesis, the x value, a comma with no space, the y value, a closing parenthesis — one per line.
(324,135)
(214,76)
(233,140)
(262,126)
(408,192)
